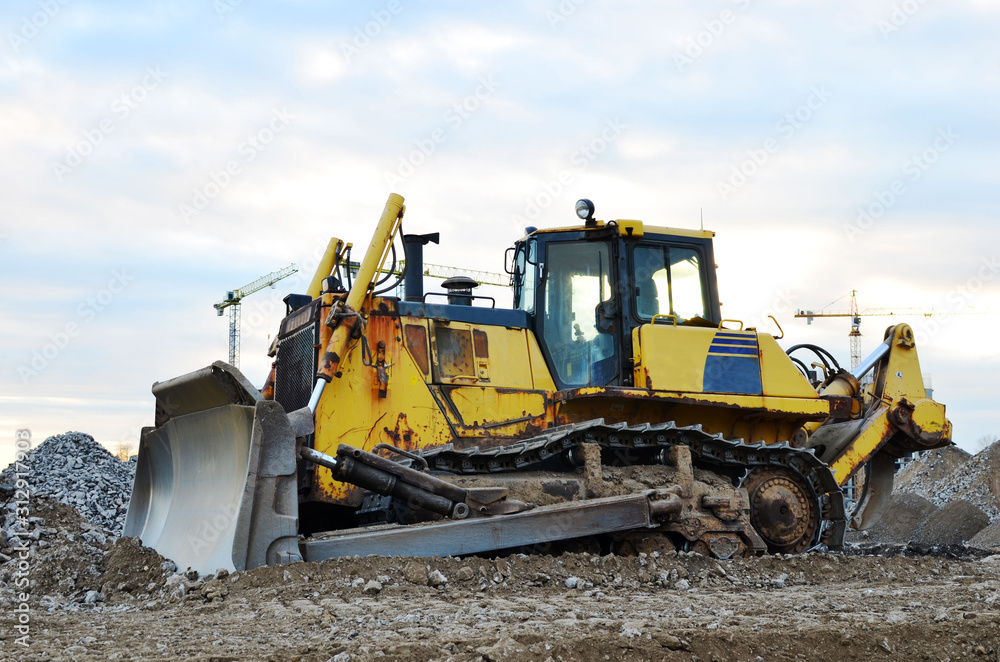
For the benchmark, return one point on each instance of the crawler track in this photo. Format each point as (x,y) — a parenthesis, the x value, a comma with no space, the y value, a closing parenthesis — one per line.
(623,444)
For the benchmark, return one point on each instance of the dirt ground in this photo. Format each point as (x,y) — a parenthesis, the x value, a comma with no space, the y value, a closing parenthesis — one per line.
(93,597)
(901,605)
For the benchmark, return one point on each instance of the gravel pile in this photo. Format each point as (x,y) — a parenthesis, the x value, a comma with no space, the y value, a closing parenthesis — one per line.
(946,496)
(950,474)
(75,470)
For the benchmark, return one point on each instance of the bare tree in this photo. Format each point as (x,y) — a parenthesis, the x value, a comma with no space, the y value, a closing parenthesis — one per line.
(123,450)
(986,441)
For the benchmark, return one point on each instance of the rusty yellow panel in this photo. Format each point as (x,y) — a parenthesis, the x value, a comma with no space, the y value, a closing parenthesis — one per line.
(810,408)
(352,412)
(732,422)
(417,343)
(875,432)
(778,374)
(541,378)
(928,416)
(482,411)
(510,362)
(470,354)
(671,358)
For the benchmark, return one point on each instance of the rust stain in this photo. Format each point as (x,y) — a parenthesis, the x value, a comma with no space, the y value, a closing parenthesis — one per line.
(482,344)
(416,342)
(268,391)
(402,436)
(454,352)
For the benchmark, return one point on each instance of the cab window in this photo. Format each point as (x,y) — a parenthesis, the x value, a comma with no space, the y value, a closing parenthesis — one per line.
(525,276)
(668,281)
(577,281)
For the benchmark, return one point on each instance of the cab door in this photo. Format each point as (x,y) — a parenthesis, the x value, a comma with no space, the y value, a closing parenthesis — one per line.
(576,316)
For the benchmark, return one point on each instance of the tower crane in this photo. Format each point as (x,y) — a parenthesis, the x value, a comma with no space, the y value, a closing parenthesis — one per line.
(855,314)
(232,302)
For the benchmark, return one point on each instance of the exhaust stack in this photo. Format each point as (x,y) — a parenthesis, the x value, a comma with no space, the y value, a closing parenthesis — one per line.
(413,247)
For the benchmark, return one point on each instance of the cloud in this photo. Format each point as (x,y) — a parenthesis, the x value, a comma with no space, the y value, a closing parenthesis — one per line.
(360,115)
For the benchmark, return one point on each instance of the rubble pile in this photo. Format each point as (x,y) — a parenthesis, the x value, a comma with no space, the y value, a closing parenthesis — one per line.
(75,470)
(52,548)
(950,474)
(946,496)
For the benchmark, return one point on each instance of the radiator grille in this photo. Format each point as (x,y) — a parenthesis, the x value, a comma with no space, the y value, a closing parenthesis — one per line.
(295,368)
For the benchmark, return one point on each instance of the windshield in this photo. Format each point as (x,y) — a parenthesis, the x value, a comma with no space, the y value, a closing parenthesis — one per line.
(668,281)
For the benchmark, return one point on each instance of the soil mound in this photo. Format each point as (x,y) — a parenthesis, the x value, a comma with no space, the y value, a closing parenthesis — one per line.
(904,515)
(954,523)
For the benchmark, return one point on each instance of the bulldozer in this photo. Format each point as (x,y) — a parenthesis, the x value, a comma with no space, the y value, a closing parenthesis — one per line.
(610,409)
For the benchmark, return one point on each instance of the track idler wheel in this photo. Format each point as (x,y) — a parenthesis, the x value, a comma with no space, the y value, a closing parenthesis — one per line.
(783,509)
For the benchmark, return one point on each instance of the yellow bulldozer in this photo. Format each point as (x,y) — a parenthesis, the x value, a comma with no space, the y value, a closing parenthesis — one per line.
(610,409)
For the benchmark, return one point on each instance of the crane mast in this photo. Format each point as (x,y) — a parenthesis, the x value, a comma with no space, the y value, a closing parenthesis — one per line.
(233,300)
(856,314)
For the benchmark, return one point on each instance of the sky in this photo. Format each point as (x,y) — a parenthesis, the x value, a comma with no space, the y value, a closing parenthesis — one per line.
(158,154)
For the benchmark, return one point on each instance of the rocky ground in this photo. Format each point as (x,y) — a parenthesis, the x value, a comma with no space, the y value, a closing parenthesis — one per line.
(573,607)
(92,596)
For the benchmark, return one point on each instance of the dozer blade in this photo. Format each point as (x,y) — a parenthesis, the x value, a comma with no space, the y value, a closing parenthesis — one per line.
(876,493)
(215,483)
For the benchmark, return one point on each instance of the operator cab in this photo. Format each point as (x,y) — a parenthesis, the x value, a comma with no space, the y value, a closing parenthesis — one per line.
(586,289)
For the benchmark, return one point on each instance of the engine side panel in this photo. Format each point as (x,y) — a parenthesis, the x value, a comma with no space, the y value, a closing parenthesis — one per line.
(431,382)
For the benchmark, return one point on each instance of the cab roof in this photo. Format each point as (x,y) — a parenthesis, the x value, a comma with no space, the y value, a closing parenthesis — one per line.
(629,228)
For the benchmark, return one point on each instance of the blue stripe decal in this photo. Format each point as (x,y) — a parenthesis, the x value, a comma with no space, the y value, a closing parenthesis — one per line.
(733,364)
(748,351)
(732,374)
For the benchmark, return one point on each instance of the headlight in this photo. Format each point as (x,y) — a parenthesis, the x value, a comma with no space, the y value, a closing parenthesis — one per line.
(585,209)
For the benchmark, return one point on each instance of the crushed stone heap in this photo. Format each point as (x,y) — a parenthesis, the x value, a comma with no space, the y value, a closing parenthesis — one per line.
(76,470)
(950,474)
(945,496)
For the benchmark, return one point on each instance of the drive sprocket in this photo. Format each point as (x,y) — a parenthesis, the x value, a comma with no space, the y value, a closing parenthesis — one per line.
(782,509)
